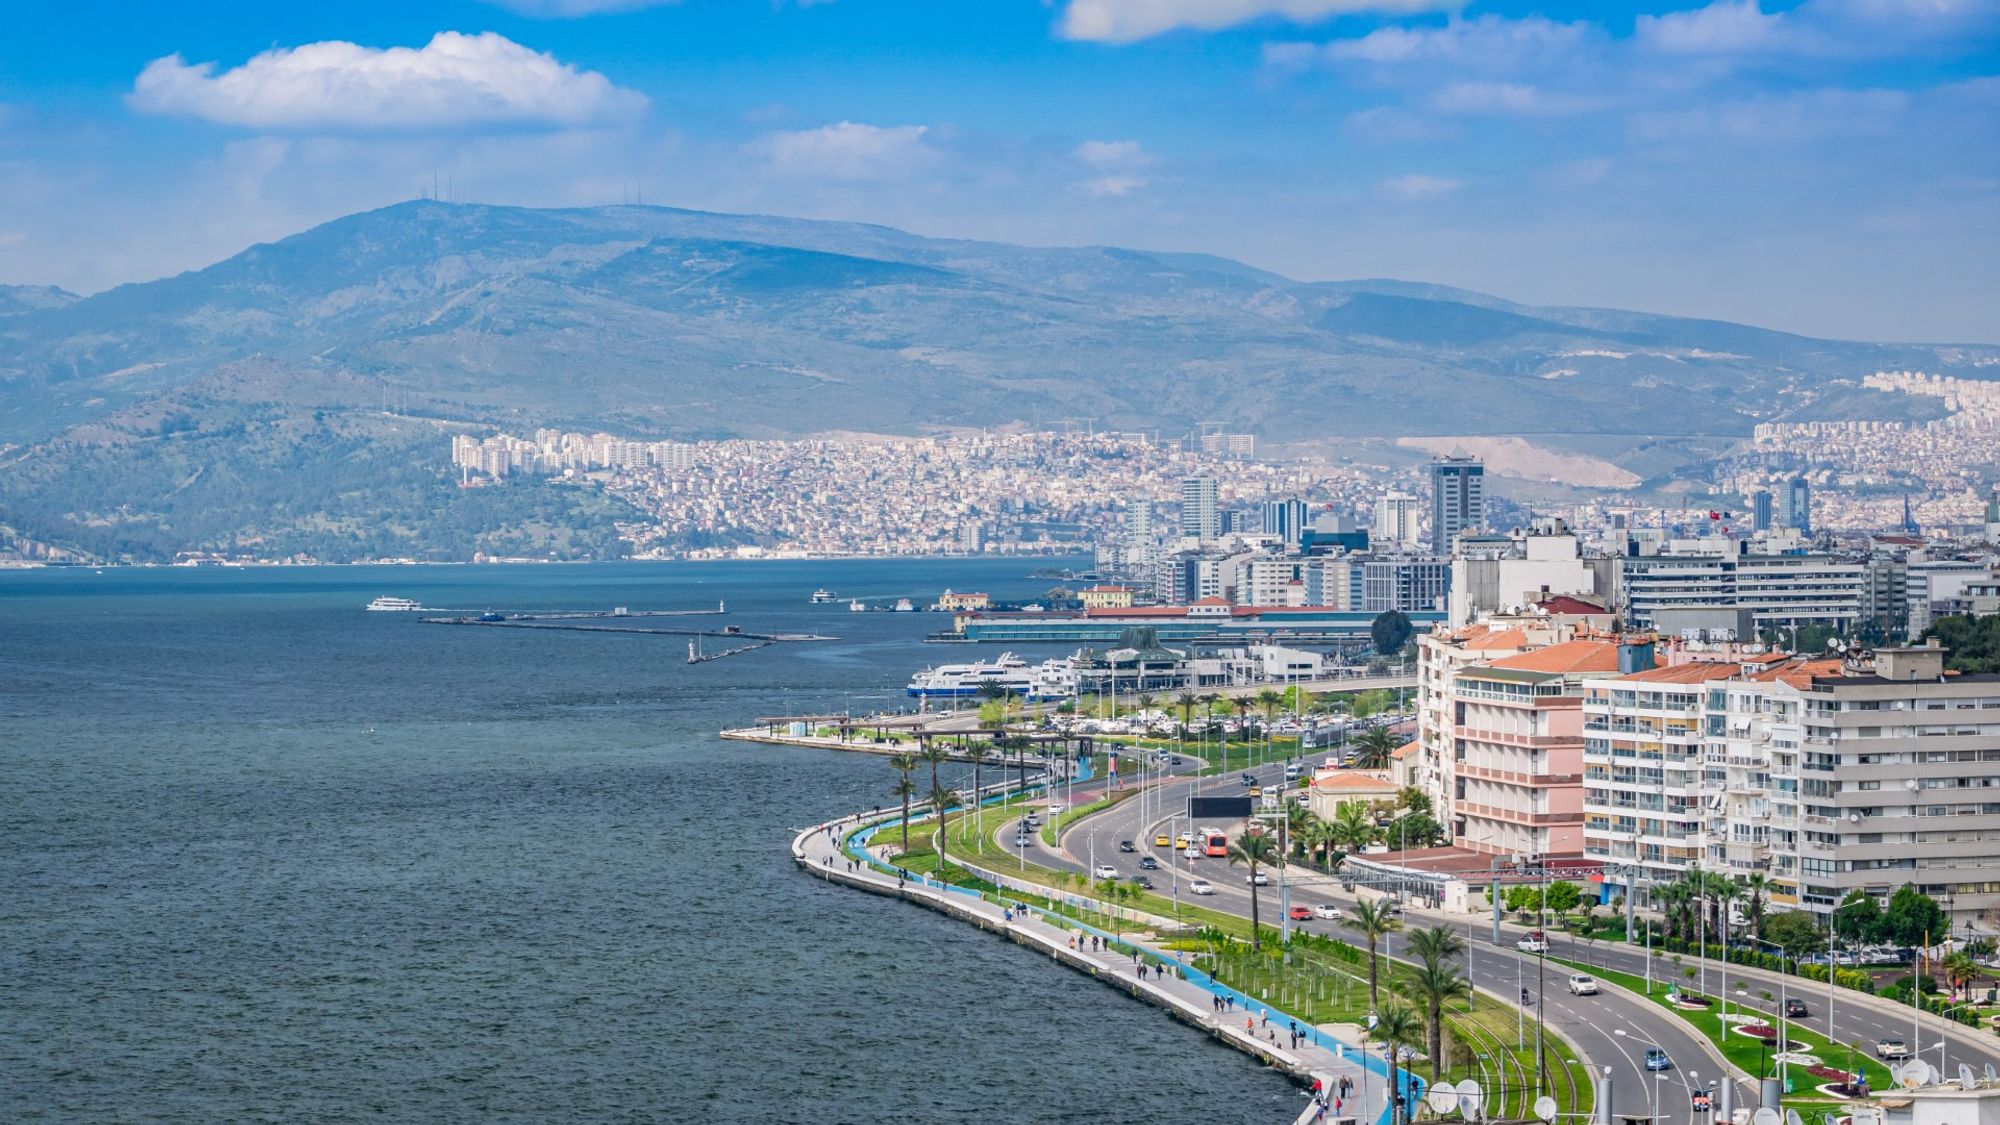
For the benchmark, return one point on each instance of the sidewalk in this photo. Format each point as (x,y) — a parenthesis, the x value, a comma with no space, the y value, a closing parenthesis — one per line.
(1191,999)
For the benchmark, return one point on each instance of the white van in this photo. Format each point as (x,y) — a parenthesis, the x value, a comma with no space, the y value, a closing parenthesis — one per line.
(1293,771)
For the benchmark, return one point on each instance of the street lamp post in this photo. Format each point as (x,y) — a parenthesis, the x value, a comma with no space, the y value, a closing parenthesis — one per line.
(1783,1069)
(1658,1075)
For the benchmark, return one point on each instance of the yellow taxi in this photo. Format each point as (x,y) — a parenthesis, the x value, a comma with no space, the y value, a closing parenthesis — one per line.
(1163,841)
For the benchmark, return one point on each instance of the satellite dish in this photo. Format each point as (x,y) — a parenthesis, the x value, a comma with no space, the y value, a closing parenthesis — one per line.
(1442,1097)
(1910,783)
(1896,1074)
(1765,1116)
(1965,1079)
(1991,1074)
(1855,817)
(1545,1108)
(1916,1073)
(1471,1100)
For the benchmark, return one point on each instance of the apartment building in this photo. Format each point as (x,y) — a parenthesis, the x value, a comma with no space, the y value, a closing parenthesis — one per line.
(1779,590)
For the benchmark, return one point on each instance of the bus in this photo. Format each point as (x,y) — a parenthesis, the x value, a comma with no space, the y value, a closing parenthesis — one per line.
(1215,844)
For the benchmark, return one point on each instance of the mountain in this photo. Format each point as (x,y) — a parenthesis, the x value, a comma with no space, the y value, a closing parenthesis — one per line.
(660,322)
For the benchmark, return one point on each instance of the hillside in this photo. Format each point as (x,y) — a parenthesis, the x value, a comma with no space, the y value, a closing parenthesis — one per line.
(661,322)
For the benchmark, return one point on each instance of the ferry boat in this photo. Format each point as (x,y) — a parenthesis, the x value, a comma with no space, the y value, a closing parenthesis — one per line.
(824,596)
(857,606)
(903,606)
(1052,679)
(395,605)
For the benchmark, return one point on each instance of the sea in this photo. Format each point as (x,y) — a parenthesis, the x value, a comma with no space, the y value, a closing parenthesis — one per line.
(265,856)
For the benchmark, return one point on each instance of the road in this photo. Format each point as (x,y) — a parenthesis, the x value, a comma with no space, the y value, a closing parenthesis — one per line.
(1590,1023)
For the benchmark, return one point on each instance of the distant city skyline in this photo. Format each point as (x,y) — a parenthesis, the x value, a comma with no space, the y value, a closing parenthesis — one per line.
(1829,167)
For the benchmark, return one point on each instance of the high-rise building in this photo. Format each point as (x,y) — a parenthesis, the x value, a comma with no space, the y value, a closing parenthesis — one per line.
(1760,510)
(1458,498)
(1287,519)
(1397,517)
(1200,515)
(1798,505)
(1138,522)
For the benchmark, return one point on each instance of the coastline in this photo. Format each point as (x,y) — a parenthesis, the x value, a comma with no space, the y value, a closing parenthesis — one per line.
(1184,997)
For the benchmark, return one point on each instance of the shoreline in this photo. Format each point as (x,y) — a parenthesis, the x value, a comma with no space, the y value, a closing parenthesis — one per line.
(1305,1065)
(267,564)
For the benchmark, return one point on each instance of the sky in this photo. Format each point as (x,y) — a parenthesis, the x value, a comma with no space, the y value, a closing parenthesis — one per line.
(1830,167)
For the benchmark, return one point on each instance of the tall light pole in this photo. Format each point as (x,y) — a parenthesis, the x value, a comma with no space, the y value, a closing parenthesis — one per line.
(1658,1075)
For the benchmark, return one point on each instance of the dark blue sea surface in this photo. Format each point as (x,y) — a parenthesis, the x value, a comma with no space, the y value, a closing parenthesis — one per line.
(267,857)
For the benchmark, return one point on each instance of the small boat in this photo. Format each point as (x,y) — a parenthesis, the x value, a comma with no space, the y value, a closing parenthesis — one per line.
(903,606)
(823,596)
(857,606)
(394,605)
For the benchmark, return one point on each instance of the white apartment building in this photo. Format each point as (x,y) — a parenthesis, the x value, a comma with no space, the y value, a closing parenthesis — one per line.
(1778,590)
(1489,577)
(1398,523)
(1271,581)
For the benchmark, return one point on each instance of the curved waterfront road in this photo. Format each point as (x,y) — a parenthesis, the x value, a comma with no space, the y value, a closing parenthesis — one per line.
(1589,1023)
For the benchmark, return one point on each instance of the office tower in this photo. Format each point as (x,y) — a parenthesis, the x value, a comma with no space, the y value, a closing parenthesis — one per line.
(1458,498)
(1760,510)
(1396,519)
(1286,519)
(1798,505)
(1138,523)
(1200,517)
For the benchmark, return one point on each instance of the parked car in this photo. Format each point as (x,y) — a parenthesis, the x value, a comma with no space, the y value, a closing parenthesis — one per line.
(1533,942)
(1104,871)
(1201,887)
(1300,913)
(1657,1059)
(1892,1049)
(1795,1009)
(1259,879)
(1148,863)
(1582,984)
(1328,911)
(1127,846)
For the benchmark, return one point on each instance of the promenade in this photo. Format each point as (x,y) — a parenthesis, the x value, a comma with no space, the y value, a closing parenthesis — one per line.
(1189,996)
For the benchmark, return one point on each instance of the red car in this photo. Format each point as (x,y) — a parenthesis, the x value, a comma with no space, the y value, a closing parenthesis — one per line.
(1300,913)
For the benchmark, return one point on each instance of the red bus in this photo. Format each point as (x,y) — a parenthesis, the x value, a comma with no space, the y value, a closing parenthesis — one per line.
(1215,844)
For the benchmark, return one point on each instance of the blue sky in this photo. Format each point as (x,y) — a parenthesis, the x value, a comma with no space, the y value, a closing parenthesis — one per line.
(1827,166)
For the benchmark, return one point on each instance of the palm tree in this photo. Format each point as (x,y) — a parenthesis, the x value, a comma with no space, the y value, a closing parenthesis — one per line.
(1253,852)
(935,755)
(1208,702)
(979,752)
(1374,923)
(1269,701)
(1759,886)
(1726,894)
(1959,971)
(904,764)
(1396,1025)
(941,801)
(1318,837)
(1185,701)
(1373,747)
(1436,945)
(1437,983)
(1353,826)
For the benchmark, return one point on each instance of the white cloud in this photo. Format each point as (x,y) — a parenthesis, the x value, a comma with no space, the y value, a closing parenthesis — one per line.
(1124,21)
(1489,42)
(454,79)
(1504,97)
(1722,27)
(1112,186)
(849,150)
(1417,185)
(1111,154)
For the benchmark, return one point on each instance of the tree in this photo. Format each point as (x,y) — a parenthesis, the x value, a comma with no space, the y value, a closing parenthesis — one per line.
(1972,643)
(1396,1025)
(942,800)
(934,755)
(1414,800)
(904,764)
(1390,631)
(1563,896)
(1437,983)
(1959,971)
(1253,852)
(1796,932)
(1353,826)
(1319,836)
(1913,918)
(1374,923)
(1858,917)
(979,752)
(1759,885)
(1373,747)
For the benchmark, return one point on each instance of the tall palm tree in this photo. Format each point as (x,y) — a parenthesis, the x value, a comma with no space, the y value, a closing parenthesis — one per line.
(1319,838)
(1726,893)
(1396,1025)
(1208,702)
(1185,701)
(934,754)
(942,800)
(1373,747)
(1269,701)
(1253,852)
(1759,887)
(1436,945)
(979,752)
(1437,983)
(904,764)
(1374,923)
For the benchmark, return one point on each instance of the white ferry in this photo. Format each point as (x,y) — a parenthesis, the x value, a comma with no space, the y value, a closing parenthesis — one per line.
(824,596)
(1052,679)
(395,605)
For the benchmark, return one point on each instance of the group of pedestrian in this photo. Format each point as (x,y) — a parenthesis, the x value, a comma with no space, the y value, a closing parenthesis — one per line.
(1223,1003)
(1141,969)
(1334,1099)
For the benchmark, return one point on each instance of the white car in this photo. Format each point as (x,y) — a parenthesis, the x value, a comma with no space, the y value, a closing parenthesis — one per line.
(1201,887)
(1259,879)
(1104,871)
(1328,911)
(1533,943)
(1582,984)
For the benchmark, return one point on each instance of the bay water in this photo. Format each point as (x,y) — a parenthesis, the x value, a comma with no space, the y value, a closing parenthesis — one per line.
(265,856)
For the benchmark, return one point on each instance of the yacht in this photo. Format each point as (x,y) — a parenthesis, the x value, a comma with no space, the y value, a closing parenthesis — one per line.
(824,596)
(1052,679)
(395,605)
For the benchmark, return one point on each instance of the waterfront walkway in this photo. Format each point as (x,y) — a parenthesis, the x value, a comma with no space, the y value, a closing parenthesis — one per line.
(1190,998)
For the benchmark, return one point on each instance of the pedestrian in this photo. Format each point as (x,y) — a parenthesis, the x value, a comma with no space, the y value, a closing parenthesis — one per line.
(1264,1016)
(1249,1025)
(1230,1001)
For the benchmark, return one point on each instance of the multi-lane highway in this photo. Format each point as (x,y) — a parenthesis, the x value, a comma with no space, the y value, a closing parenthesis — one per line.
(1612,1028)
